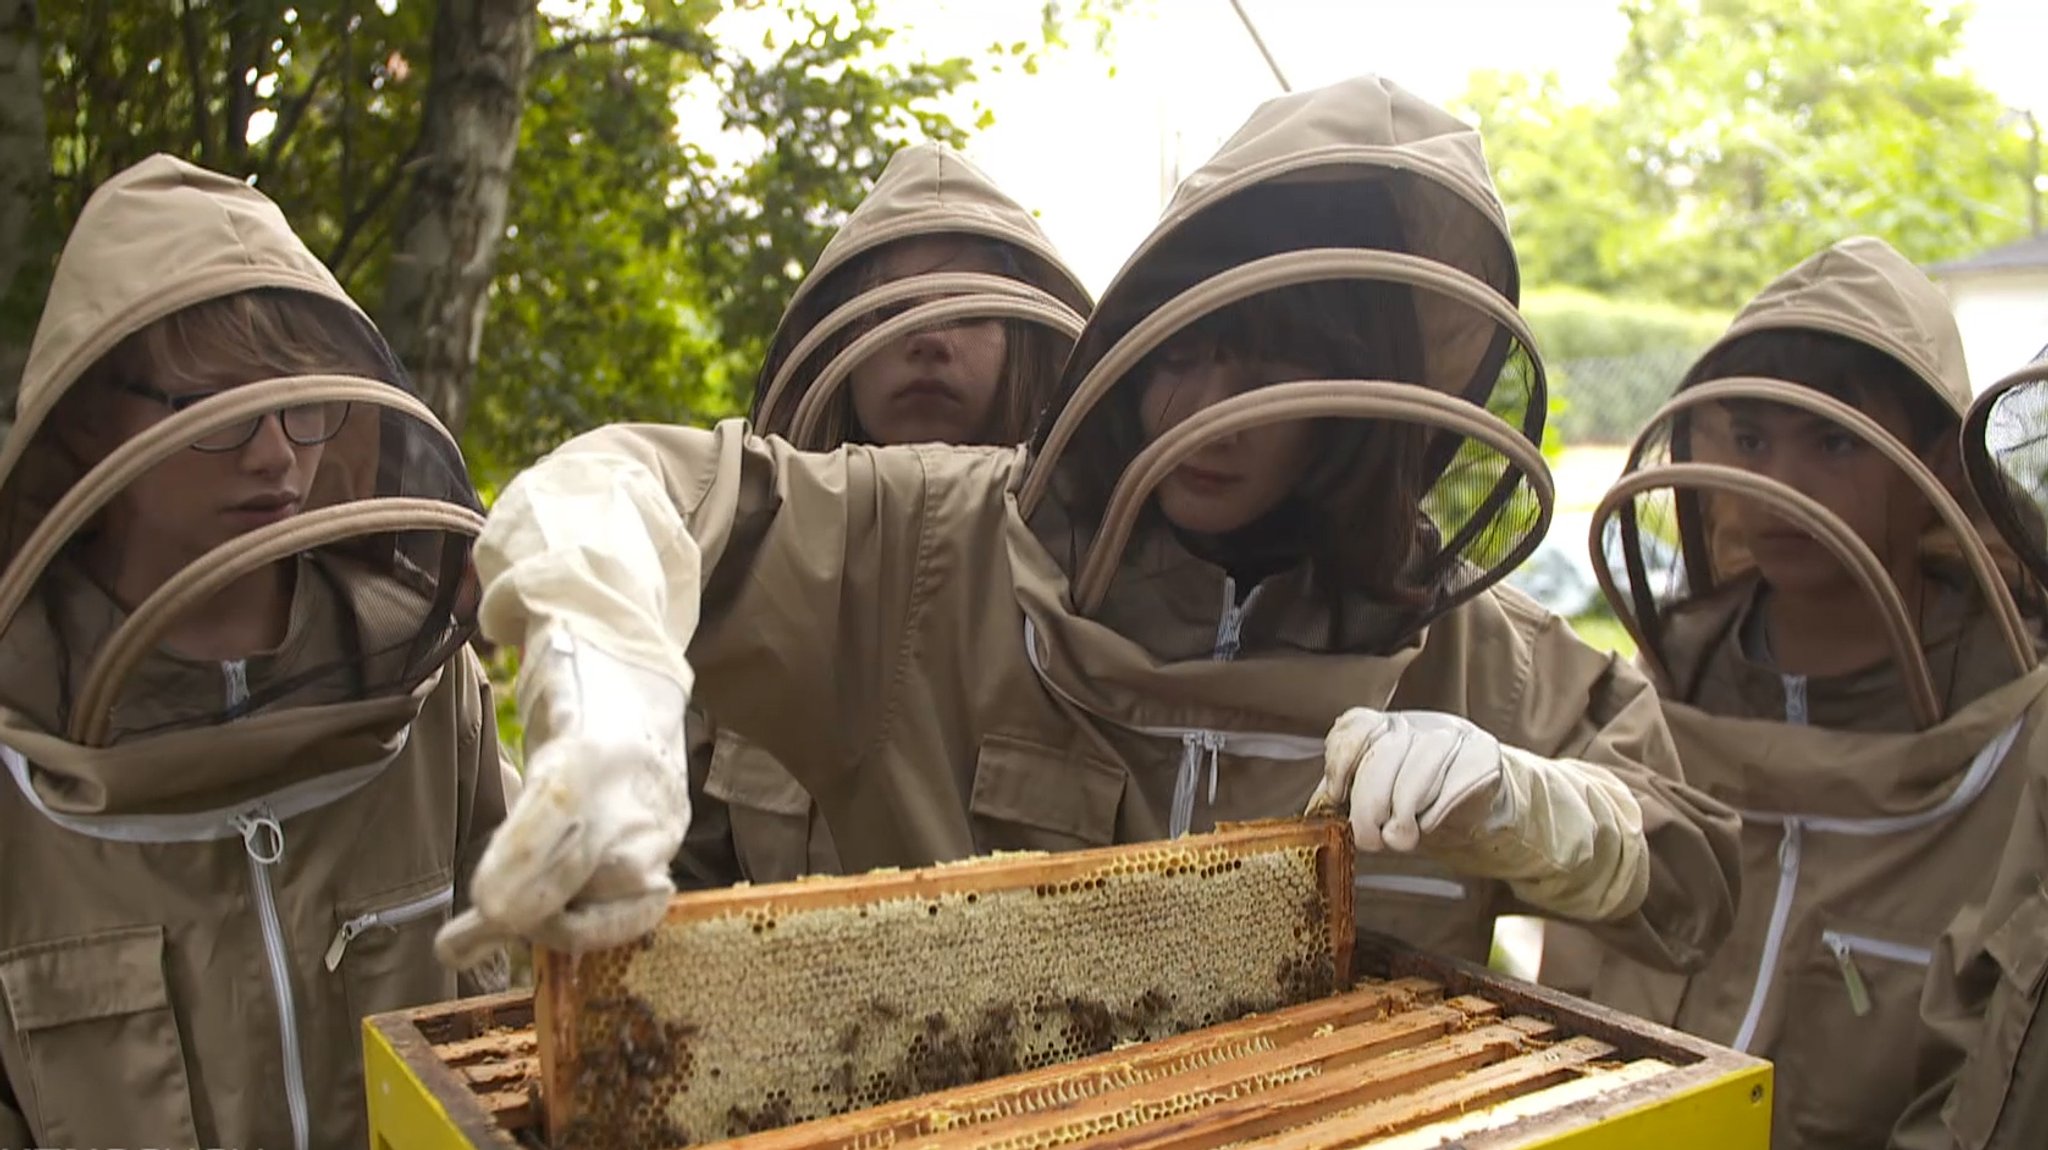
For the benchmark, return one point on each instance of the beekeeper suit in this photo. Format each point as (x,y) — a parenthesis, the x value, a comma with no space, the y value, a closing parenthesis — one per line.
(1872,799)
(955,652)
(220,865)
(1983,1067)
(935,236)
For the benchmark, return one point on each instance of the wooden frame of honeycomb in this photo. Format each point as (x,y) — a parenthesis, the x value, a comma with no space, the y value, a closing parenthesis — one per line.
(754,1008)
(1424,1052)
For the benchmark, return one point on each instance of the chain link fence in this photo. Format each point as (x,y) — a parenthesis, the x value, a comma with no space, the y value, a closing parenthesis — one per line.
(1608,399)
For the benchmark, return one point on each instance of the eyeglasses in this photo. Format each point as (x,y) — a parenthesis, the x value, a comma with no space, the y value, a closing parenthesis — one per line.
(305,424)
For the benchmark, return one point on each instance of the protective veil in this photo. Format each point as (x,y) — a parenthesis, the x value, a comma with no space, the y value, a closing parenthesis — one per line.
(1871,800)
(236,859)
(753,820)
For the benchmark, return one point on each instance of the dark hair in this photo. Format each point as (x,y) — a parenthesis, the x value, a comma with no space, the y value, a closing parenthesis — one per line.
(1858,374)
(1031,354)
(1838,367)
(1356,515)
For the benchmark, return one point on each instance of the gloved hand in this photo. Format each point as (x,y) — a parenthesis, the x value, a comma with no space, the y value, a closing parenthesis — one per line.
(1566,836)
(582,860)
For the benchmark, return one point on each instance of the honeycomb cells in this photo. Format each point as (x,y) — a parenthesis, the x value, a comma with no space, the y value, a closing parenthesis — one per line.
(753,1020)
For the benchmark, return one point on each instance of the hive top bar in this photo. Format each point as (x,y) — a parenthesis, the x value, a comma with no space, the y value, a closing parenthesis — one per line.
(754,1008)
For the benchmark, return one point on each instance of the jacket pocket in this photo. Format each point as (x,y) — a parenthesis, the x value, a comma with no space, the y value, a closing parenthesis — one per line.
(1032,797)
(2003,1088)
(1429,908)
(383,946)
(105,1060)
(772,815)
(1848,1034)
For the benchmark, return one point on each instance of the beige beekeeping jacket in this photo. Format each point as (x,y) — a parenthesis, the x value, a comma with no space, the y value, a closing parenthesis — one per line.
(752,820)
(1864,824)
(198,918)
(902,628)
(1982,1074)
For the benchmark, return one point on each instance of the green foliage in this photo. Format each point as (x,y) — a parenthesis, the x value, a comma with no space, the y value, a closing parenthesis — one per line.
(1612,362)
(341,86)
(1602,631)
(828,129)
(1742,135)
(645,259)
(502,667)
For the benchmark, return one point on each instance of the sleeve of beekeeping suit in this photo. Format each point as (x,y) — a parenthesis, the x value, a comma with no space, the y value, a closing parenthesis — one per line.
(1559,778)
(596,562)
(1567,837)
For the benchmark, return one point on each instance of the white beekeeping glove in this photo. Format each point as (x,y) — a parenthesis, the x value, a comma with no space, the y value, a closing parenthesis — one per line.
(586,563)
(1566,836)
(582,861)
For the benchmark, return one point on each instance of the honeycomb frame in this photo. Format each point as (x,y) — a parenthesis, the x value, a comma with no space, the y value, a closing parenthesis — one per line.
(754,1008)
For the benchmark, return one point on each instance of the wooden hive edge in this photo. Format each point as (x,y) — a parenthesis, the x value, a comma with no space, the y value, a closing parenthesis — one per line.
(1482,1087)
(910,1118)
(1230,1115)
(1632,1037)
(408,1082)
(1324,1063)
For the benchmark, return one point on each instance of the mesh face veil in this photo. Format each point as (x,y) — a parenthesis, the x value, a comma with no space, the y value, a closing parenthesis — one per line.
(207,420)
(2005,456)
(1684,524)
(980,257)
(1352,235)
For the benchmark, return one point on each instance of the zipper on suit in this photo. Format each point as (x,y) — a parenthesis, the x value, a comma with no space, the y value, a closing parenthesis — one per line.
(1774,936)
(1421,885)
(1229,637)
(391,916)
(1796,710)
(263,839)
(235,673)
(1845,948)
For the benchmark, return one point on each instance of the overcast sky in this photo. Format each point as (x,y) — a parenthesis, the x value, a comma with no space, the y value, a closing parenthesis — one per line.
(1093,153)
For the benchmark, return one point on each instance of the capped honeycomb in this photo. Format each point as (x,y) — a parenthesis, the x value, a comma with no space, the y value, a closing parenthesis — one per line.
(752,1009)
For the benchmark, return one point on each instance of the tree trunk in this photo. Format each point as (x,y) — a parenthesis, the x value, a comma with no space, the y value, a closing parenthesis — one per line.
(25,238)
(453,216)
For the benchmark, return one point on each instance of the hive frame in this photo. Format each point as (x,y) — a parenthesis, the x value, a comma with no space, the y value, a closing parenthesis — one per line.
(429,1090)
(562,1003)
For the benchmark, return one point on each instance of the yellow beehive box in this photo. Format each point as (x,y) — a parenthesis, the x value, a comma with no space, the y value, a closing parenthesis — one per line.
(1183,996)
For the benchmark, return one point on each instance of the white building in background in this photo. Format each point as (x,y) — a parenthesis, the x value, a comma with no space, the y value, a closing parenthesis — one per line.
(2001,305)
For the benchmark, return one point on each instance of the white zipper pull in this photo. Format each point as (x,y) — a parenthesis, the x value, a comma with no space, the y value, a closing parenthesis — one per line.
(1796,713)
(1183,813)
(347,934)
(262,835)
(1230,628)
(1213,740)
(1859,993)
(236,672)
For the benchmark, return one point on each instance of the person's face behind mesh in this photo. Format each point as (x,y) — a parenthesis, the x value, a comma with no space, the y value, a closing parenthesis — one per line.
(234,479)
(1233,481)
(939,384)
(1825,462)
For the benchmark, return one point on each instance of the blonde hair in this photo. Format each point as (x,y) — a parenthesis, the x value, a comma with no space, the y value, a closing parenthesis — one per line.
(259,334)
(240,338)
